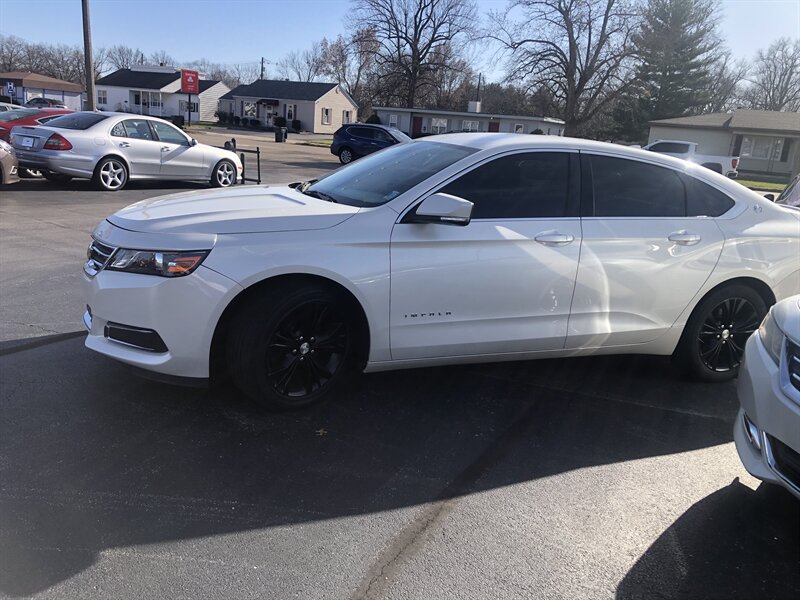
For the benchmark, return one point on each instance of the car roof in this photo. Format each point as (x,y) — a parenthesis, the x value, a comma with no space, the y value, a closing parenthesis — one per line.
(375,125)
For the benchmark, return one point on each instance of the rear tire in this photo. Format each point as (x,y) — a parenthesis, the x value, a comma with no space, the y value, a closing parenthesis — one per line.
(711,347)
(288,347)
(110,174)
(346,155)
(224,174)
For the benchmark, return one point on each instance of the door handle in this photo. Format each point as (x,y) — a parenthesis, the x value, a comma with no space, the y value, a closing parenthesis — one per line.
(124,145)
(554,238)
(684,238)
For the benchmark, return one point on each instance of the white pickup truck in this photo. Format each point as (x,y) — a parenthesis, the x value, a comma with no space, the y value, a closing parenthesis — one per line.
(688,151)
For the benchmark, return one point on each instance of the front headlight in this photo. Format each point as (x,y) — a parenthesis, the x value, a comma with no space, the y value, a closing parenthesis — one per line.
(151,262)
(772,337)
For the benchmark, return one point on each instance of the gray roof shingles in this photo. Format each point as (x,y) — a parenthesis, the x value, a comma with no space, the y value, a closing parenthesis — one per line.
(289,90)
(754,120)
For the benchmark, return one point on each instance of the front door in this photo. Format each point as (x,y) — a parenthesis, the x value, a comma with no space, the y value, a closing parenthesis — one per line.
(494,126)
(416,126)
(643,259)
(504,282)
(179,159)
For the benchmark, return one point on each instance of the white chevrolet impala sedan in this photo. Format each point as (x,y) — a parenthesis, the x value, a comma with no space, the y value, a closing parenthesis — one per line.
(454,249)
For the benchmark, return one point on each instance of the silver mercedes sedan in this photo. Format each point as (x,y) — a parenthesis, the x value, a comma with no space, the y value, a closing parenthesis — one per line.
(114,148)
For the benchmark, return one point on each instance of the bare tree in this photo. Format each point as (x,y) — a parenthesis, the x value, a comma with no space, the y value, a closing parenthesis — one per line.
(302,65)
(349,62)
(726,84)
(123,57)
(775,83)
(161,57)
(578,50)
(409,35)
(242,73)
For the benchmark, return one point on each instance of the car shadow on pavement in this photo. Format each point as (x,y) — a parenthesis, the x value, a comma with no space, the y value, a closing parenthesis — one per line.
(85,185)
(94,458)
(703,554)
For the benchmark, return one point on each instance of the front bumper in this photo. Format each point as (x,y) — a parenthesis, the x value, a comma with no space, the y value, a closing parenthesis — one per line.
(182,311)
(775,415)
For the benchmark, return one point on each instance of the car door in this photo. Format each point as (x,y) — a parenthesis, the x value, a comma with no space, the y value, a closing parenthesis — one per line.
(643,258)
(504,282)
(133,138)
(179,158)
(383,139)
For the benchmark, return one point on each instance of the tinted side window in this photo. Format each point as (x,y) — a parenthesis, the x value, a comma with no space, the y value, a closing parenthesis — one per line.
(702,200)
(361,132)
(628,188)
(527,185)
(670,147)
(138,129)
(382,136)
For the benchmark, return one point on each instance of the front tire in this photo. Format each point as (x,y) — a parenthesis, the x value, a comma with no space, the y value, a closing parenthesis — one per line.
(224,174)
(289,347)
(346,156)
(110,175)
(712,344)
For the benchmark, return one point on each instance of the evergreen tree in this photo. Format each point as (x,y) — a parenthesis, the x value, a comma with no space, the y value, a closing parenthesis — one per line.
(678,48)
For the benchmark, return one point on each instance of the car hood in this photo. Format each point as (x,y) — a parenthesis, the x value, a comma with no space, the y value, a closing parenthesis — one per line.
(246,209)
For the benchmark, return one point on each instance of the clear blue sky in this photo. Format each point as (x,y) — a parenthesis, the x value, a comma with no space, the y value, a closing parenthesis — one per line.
(231,31)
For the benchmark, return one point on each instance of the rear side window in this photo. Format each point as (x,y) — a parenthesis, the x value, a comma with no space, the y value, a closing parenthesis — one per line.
(702,200)
(79,121)
(529,185)
(362,132)
(629,188)
(671,147)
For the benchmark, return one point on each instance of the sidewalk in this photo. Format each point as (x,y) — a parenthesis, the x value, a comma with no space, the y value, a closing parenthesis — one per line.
(253,136)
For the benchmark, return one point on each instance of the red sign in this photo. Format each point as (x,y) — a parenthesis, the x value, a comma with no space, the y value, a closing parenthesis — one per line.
(190,82)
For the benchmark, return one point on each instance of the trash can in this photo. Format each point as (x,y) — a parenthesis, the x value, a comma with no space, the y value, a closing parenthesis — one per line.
(280,134)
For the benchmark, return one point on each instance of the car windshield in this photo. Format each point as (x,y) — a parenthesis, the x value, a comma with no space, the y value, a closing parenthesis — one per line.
(787,197)
(381,177)
(399,135)
(18,114)
(76,121)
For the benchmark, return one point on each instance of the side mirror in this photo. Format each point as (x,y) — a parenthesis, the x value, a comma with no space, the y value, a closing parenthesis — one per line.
(193,142)
(442,208)
(770,197)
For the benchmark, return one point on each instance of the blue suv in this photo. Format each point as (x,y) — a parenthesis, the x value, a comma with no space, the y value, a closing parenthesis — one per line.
(359,139)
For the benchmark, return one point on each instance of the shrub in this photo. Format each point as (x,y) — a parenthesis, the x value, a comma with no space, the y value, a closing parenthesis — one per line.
(374,119)
(236,120)
(537,132)
(297,125)
(279,121)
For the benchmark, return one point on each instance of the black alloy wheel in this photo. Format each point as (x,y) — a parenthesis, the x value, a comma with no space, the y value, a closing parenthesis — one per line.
(306,349)
(723,334)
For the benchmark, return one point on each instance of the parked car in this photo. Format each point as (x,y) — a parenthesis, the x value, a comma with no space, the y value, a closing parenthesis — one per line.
(354,140)
(767,432)
(726,165)
(790,195)
(8,164)
(44,103)
(456,248)
(114,148)
(27,116)
(5,106)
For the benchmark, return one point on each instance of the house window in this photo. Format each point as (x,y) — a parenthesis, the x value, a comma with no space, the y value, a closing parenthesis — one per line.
(102,96)
(756,146)
(392,120)
(326,116)
(519,128)
(249,109)
(469,126)
(290,110)
(185,106)
(438,125)
(347,117)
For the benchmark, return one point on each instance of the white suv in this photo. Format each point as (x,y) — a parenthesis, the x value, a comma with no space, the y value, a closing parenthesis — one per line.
(454,249)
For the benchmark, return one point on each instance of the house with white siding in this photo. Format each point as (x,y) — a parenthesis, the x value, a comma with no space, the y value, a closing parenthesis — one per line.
(767,142)
(418,122)
(156,91)
(319,107)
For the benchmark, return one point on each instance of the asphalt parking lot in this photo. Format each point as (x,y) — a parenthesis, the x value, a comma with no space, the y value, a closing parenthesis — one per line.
(583,478)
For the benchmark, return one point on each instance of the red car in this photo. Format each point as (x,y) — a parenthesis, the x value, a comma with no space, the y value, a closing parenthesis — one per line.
(27,116)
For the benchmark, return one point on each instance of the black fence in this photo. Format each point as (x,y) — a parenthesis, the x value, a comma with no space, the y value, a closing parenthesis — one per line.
(251,161)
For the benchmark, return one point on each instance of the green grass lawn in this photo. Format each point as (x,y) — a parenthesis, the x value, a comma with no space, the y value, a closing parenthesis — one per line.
(761,185)
(321,143)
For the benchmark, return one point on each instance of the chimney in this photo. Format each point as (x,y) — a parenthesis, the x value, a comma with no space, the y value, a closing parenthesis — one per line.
(474,106)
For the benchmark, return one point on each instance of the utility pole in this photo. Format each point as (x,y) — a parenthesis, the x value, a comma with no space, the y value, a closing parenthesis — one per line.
(88,62)
(262,67)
